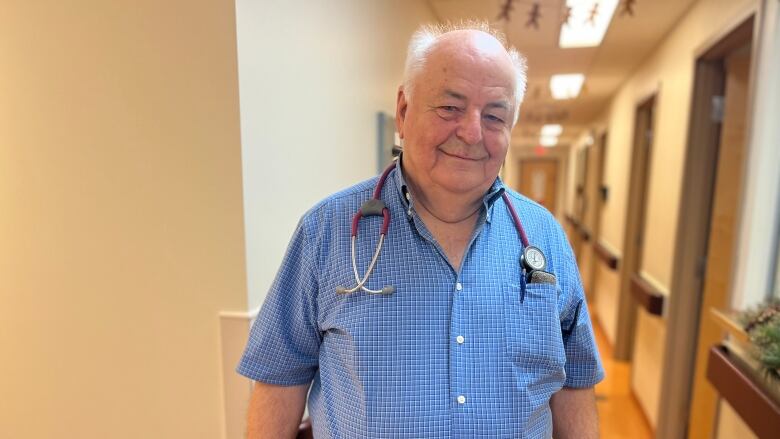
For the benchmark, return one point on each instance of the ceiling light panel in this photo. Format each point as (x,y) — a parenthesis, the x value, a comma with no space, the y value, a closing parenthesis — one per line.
(548,141)
(566,86)
(551,130)
(587,23)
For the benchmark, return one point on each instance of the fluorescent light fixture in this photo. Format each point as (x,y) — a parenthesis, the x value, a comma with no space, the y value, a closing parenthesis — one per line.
(566,86)
(587,23)
(551,130)
(548,141)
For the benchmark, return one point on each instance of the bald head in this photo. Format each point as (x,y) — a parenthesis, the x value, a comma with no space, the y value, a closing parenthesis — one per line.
(463,43)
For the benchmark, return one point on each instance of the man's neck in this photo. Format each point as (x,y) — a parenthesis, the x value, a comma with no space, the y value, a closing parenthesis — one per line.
(451,218)
(446,207)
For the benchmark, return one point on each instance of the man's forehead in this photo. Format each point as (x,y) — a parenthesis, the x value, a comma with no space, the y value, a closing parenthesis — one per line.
(470,38)
(459,50)
(498,98)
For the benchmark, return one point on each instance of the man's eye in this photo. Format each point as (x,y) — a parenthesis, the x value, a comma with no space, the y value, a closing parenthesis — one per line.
(493,118)
(448,112)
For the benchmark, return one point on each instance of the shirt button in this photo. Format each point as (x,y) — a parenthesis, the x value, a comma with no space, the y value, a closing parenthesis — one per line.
(458,286)
(461,399)
(460,339)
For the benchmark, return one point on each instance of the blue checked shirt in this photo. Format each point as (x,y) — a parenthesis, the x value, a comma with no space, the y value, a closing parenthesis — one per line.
(451,353)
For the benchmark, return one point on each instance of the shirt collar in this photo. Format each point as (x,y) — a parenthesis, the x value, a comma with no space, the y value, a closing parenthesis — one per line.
(493,194)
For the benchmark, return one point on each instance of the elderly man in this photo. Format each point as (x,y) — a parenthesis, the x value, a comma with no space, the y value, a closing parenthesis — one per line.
(465,340)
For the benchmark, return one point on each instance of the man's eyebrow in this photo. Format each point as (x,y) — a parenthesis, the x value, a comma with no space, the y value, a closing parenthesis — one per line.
(504,105)
(454,94)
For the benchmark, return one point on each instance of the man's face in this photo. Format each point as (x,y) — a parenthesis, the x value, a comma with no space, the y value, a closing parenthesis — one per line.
(456,128)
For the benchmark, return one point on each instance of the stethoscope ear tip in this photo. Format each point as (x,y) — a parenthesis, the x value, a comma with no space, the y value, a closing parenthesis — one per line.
(341,290)
(388,289)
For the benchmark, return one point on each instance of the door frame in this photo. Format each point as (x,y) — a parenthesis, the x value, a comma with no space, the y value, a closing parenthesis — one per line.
(598,202)
(636,210)
(693,223)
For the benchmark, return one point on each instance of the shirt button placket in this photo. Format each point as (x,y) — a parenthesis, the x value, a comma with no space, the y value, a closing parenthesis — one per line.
(457,353)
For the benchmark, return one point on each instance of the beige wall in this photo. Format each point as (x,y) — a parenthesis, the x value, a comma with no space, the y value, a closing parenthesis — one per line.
(121,232)
(730,425)
(313,76)
(668,72)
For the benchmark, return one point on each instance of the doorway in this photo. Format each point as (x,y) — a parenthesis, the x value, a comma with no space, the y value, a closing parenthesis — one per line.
(538,181)
(598,194)
(631,282)
(704,253)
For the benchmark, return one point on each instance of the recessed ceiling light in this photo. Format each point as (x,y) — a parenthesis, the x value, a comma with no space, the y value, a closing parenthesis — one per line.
(551,130)
(548,141)
(587,23)
(566,86)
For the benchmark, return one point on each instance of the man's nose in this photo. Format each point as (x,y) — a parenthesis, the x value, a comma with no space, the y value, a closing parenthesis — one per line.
(470,128)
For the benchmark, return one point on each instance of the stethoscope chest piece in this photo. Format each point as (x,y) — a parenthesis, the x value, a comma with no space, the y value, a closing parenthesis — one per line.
(533,259)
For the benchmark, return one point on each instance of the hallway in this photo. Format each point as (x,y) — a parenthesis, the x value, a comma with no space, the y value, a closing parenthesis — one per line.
(620,416)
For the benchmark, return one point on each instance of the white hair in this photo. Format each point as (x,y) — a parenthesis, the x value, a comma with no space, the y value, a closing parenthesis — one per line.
(427,35)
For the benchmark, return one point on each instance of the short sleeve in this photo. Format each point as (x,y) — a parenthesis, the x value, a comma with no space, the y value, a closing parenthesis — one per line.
(583,363)
(283,346)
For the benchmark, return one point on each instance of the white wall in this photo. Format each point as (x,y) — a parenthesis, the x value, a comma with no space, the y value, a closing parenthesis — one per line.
(313,75)
(120,216)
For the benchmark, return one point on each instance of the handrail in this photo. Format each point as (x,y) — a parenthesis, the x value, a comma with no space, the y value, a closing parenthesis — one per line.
(606,255)
(651,299)
(759,411)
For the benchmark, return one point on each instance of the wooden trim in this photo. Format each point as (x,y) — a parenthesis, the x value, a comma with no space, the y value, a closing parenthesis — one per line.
(636,214)
(728,323)
(710,46)
(572,222)
(759,411)
(651,299)
(606,256)
(585,234)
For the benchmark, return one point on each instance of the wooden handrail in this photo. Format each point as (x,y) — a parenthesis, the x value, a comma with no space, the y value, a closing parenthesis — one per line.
(609,258)
(759,411)
(572,222)
(651,299)
(585,234)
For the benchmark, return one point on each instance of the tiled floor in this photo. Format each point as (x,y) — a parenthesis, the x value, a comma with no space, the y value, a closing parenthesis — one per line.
(620,416)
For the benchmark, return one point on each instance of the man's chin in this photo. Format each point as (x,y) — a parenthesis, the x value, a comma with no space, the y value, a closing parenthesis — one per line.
(464,184)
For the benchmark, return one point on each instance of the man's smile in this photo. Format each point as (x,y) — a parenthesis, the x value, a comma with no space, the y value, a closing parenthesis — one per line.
(461,156)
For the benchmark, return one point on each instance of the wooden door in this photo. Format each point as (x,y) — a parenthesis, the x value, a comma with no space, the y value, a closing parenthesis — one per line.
(720,253)
(539,181)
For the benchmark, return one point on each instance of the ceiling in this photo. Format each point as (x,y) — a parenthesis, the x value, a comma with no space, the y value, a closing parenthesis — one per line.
(628,41)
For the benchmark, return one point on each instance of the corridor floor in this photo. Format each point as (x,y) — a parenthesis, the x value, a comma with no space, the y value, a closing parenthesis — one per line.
(620,416)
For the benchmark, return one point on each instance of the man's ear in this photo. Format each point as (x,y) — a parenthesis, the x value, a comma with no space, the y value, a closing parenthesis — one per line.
(401,105)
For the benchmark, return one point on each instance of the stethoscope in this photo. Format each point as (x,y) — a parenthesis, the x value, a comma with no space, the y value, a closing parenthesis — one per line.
(531,259)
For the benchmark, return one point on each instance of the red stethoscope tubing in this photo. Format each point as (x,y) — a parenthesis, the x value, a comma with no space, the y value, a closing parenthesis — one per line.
(376,206)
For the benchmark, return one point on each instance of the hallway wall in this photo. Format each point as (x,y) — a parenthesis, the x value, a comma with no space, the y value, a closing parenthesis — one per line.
(668,72)
(121,221)
(313,75)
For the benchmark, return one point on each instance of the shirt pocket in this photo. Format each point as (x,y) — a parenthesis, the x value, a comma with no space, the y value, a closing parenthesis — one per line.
(533,329)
